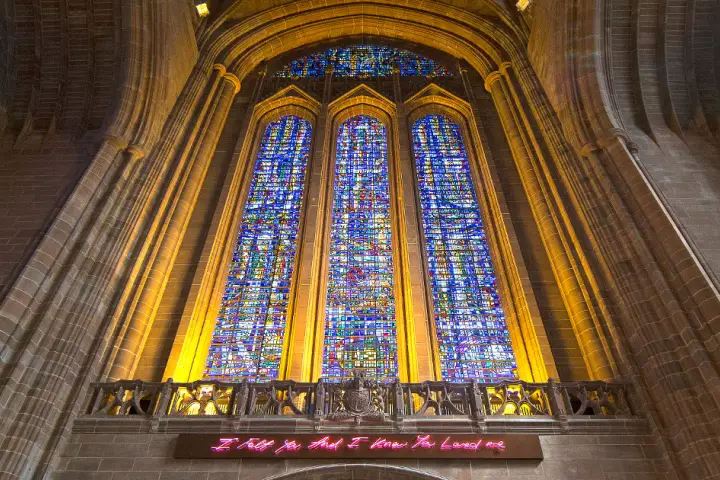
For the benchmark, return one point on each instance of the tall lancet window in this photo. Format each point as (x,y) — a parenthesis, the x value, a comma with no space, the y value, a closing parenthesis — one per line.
(360,331)
(472,333)
(248,338)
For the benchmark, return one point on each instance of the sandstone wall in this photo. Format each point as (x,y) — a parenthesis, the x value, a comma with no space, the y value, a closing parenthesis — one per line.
(149,457)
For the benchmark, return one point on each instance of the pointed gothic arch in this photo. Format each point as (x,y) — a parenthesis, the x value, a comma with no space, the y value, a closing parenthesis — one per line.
(521,310)
(192,340)
(358,471)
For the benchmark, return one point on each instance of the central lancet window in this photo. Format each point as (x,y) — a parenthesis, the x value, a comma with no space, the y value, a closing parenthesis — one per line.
(249,334)
(360,329)
(472,334)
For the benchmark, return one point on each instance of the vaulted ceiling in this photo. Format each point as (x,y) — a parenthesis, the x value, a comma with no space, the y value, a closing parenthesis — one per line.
(670,51)
(479,7)
(60,60)
(60,63)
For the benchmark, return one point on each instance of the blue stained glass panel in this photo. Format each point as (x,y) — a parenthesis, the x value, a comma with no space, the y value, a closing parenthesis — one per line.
(360,330)
(363,61)
(248,337)
(472,332)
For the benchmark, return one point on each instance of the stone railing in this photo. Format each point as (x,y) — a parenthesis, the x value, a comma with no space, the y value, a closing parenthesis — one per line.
(361,401)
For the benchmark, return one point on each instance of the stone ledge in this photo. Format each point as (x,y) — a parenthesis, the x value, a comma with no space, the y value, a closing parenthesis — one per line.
(542,426)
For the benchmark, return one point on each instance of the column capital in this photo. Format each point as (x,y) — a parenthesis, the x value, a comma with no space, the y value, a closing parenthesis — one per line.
(220,68)
(135,151)
(232,78)
(491,78)
(605,140)
(118,142)
(229,76)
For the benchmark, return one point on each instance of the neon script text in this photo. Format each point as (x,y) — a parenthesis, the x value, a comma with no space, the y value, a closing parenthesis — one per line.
(356,444)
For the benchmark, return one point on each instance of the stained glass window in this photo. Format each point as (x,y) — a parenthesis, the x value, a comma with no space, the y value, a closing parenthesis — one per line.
(360,330)
(363,61)
(248,337)
(472,332)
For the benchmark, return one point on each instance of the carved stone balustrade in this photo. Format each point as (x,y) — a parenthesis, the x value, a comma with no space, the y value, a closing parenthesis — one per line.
(360,403)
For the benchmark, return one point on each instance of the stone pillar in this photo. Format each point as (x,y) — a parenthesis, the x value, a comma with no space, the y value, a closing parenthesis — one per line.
(308,297)
(186,361)
(139,321)
(37,373)
(63,325)
(535,360)
(549,220)
(418,325)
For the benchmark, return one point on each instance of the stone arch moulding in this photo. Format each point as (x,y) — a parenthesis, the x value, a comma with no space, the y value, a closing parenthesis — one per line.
(361,100)
(448,31)
(245,44)
(524,323)
(483,44)
(359,471)
(189,351)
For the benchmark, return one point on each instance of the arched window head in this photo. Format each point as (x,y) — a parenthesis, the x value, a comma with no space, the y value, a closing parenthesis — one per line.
(472,334)
(249,334)
(363,61)
(360,329)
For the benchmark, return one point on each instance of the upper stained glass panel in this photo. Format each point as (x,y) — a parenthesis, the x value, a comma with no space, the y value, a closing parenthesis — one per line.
(360,330)
(363,61)
(248,337)
(473,338)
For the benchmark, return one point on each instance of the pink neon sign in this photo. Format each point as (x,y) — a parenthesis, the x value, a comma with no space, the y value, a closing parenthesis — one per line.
(370,446)
(358,446)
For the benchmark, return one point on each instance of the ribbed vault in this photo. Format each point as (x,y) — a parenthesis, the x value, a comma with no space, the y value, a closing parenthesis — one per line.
(59,63)
(676,62)
(63,62)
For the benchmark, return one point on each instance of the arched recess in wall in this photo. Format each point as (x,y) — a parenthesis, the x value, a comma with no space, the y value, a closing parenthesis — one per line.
(483,48)
(534,363)
(306,325)
(357,471)
(527,333)
(189,352)
(493,50)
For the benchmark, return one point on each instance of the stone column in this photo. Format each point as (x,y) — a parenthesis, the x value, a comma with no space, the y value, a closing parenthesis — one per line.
(420,344)
(186,362)
(533,354)
(63,320)
(549,220)
(140,320)
(37,358)
(308,296)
